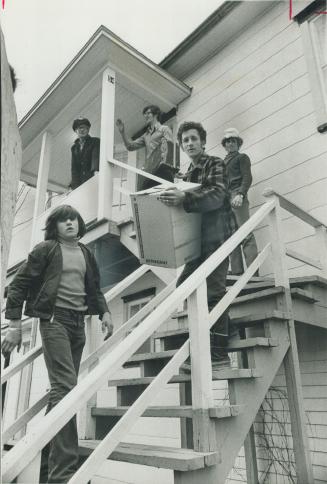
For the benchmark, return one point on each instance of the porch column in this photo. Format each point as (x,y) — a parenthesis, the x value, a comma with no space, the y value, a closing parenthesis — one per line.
(107,144)
(39,207)
(42,182)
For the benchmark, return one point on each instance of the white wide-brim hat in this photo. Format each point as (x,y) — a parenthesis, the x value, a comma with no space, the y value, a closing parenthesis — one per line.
(231,133)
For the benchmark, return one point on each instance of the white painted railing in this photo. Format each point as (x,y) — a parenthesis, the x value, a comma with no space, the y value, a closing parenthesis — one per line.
(27,450)
(93,358)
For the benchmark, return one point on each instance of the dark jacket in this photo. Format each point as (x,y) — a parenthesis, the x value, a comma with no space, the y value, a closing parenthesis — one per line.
(238,170)
(212,200)
(38,279)
(84,162)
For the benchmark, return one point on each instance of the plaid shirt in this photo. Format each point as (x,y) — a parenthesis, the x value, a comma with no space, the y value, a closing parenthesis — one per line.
(212,200)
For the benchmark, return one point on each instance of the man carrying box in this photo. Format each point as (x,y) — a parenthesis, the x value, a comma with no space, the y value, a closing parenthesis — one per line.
(218,224)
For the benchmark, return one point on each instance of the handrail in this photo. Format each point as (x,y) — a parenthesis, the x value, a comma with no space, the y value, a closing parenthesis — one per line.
(319,227)
(91,359)
(294,209)
(141,172)
(29,446)
(27,358)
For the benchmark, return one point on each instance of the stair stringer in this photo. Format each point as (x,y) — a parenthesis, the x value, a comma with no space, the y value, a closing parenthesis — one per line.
(126,239)
(231,433)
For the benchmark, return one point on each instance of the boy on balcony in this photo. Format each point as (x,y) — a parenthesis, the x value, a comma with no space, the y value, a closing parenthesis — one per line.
(85,153)
(60,284)
(218,223)
(238,170)
(158,143)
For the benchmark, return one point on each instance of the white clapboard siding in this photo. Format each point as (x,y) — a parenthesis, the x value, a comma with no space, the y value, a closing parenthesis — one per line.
(232,85)
(248,51)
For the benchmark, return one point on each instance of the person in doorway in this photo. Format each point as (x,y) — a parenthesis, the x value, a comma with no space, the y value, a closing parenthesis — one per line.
(158,143)
(238,169)
(60,284)
(218,224)
(85,153)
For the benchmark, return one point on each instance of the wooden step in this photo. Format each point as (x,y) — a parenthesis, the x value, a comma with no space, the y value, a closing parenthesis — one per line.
(296,293)
(169,411)
(233,346)
(274,291)
(138,357)
(224,374)
(244,321)
(155,456)
(252,343)
(249,320)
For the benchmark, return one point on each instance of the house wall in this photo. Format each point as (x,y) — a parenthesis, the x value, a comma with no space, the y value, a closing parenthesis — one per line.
(259,84)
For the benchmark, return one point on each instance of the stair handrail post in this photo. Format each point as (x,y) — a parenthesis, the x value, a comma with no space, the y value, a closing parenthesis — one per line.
(277,244)
(105,178)
(86,423)
(39,207)
(321,238)
(291,361)
(204,437)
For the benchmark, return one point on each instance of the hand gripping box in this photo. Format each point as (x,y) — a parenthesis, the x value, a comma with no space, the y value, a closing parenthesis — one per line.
(167,236)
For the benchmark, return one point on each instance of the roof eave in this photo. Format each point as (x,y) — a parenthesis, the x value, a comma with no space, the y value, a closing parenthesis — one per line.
(218,15)
(102,30)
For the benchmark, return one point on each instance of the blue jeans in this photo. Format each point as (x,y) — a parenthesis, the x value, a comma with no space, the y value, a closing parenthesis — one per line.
(63,340)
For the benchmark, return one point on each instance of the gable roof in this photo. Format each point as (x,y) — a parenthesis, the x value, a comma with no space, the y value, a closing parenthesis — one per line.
(212,35)
(103,48)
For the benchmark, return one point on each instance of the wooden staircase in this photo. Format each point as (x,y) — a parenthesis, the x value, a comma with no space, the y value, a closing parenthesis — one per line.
(263,312)
(261,339)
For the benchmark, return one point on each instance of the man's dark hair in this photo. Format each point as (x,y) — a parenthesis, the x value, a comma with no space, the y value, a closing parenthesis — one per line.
(155,110)
(60,214)
(187,125)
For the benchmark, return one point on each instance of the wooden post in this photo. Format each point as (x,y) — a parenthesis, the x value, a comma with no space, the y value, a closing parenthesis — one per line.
(321,236)
(86,423)
(39,206)
(31,473)
(42,183)
(291,361)
(107,144)
(202,398)
(247,360)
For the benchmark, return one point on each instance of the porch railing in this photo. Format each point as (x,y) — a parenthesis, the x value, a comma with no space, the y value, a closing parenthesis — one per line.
(26,452)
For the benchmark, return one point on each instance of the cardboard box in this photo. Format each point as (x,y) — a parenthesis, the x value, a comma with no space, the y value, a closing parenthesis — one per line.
(166,236)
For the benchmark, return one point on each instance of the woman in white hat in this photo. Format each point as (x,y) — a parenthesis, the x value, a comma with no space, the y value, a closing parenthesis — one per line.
(238,169)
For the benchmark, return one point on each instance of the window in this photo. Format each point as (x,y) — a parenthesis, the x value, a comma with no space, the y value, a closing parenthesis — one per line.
(313,27)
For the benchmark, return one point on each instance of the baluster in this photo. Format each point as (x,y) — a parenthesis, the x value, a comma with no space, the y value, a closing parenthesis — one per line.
(202,396)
